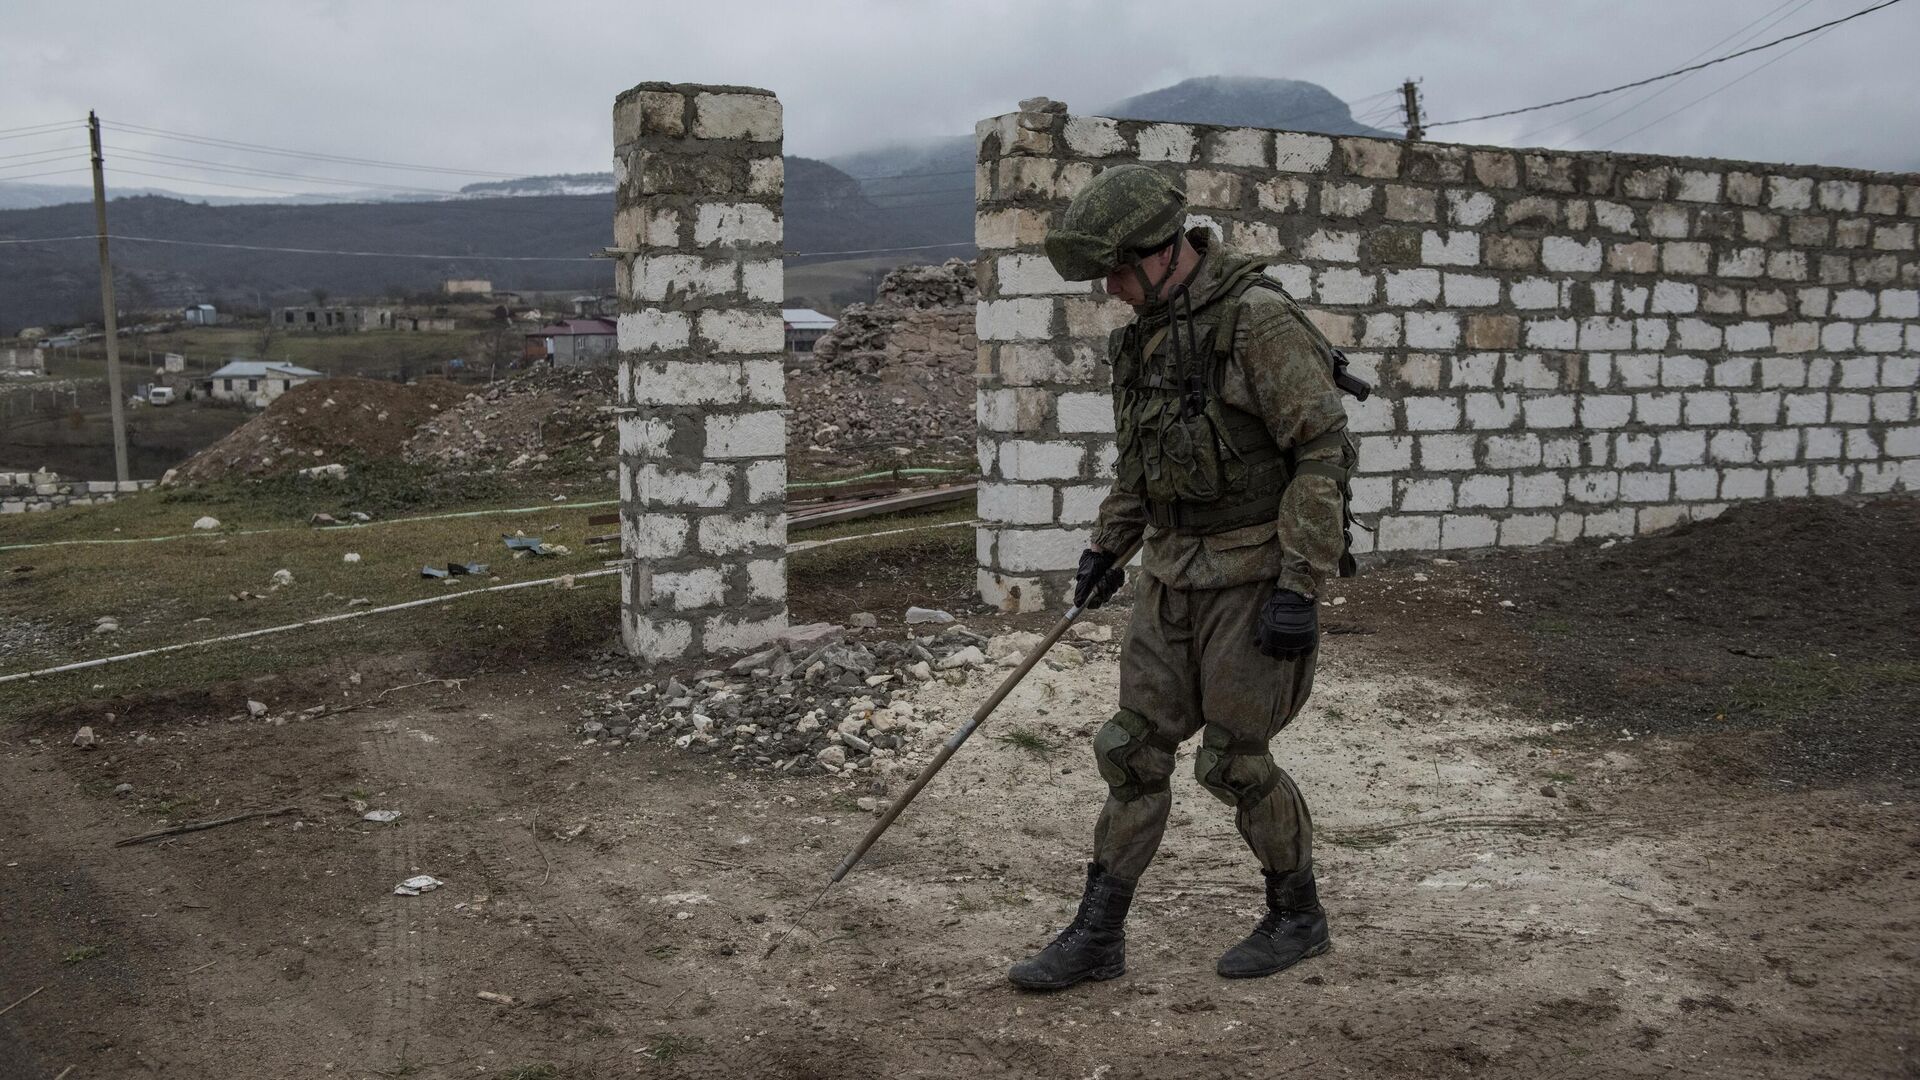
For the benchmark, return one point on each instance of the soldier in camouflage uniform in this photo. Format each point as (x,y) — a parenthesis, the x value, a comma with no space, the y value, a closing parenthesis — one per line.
(1233,462)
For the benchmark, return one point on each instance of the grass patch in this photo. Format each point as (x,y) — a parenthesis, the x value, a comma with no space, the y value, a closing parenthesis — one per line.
(667,1046)
(1029,740)
(82,954)
(1801,687)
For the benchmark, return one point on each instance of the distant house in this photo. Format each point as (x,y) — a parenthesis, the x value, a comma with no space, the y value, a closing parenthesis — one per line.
(461,286)
(804,327)
(334,319)
(257,382)
(202,315)
(572,343)
(593,306)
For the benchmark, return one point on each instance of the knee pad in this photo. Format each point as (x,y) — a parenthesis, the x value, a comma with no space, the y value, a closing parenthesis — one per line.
(1133,759)
(1239,774)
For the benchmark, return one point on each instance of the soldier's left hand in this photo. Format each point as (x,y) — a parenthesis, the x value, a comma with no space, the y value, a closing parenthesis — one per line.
(1289,625)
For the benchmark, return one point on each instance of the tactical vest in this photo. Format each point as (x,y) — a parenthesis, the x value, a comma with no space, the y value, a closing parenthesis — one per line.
(1199,464)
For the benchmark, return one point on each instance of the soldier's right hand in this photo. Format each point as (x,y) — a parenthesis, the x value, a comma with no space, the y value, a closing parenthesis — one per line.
(1097,580)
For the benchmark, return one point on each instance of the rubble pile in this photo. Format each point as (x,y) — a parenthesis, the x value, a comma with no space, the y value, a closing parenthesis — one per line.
(842,707)
(896,372)
(545,418)
(321,422)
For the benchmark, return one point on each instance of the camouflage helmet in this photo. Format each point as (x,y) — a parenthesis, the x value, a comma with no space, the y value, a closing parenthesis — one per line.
(1126,210)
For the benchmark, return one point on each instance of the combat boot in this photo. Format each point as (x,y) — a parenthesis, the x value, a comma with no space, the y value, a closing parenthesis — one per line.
(1294,928)
(1094,944)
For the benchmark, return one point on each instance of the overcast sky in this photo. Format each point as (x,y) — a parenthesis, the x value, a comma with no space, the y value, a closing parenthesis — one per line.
(522,88)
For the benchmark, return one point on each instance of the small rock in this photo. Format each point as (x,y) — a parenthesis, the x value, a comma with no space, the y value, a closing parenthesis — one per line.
(123,789)
(359,601)
(1065,655)
(282,578)
(1014,645)
(207,523)
(1088,631)
(920,671)
(810,635)
(85,739)
(1549,791)
(971,656)
(351,556)
(833,755)
(256,709)
(381,816)
(865,620)
(417,884)
(868,803)
(762,659)
(106,627)
(928,615)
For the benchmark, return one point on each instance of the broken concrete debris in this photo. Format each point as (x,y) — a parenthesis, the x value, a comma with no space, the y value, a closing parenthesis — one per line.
(85,739)
(417,884)
(207,523)
(842,705)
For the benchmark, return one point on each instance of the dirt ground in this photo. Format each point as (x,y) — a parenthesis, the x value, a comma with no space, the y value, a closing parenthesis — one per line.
(1576,836)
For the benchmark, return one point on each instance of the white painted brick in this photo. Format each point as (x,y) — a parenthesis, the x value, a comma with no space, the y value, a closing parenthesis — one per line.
(766,176)
(1294,152)
(1594,487)
(654,639)
(651,330)
(686,382)
(1165,142)
(1490,490)
(1697,186)
(1893,406)
(1386,453)
(1748,336)
(1468,531)
(1756,409)
(1492,411)
(1706,408)
(1471,290)
(1568,255)
(1371,494)
(1434,493)
(1237,146)
(766,381)
(1639,486)
(1840,195)
(1697,334)
(754,434)
(1028,550)
(735,224)
(767,481)
(743,331)
(1373,414)
(642,437)
(1019,409)
(1539,489)
(1432,329)
(1032,275)
(1534,293)
(1783,371)
(1806,409)
(676,277)
(1026,460)
(1016,504)
(1822,443)
(1022,319)
(1552,333)
(711,485)
(1408,287)
(1790,193)
(1603,411)
(1897,371)
(1553,411)
(1853,304)
(1295,279)
(1085,412)
(1611,523)
(1331,245)
(1606,332)
(1344,286)
(1408,533)
(1900,303)
(1560,452)
(652,536)
(1780,444)
(1094,136)
(1730,447)
(1431,413)
(1836,337)
(1443,453)
(1637,370)
(1474,370)
(1526,530)
(1682,448)
(1080,504)
(1468,209)
(1512,451)
(1743,484)
(767,580)
(1790,482)
(755,117)
(1381,330)
(1881,337)
(763,281)
(724,534)
(1903,442)
(1849,409)
(1735,371)
(1832,479)
(685,590)
(732,634)
(1696,484)
(1460,248)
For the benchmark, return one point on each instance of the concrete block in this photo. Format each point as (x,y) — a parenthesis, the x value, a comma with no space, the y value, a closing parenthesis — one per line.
(1645,486)
(1094,136)
(652,330)
(686,382)
(1708,408)
(736,225)
(1346,286)
(1730,447)
(754,434)
(1238,146)
(1030,550)
(1471,290)
(1431,413)
(1569,255)
(1026,460)
(709,485)
(1597,486)
(1521,451)
(1539,489)
(652,536)
(1089,411)
(742,331)
(1459,531)
(1489,490)
(1408,287)
(725,534)
(1743,484)
(1080,504)
(1327,245)
(1602,411)
(767,482)
(1692,485)
(728,633)
(1023,319)
(686,590)
(1295,152)
(1017,409)
(1166,142)
(1486,412)
(752,117)
(1402,533)
(1446,453)
(1460,248)
(653,639)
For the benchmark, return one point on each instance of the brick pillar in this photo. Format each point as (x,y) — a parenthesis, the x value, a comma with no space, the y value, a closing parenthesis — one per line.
(1045,417)
(703,467)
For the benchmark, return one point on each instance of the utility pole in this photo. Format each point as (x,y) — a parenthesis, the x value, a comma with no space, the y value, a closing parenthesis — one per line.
(106,303)
(1410,100)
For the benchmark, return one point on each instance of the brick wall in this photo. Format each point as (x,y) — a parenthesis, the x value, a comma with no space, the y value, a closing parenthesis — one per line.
(1563,345)
(26,492)
(697,232)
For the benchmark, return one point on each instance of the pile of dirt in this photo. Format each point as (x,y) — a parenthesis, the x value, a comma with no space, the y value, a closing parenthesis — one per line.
(546,419)
(318,423)
(894,373)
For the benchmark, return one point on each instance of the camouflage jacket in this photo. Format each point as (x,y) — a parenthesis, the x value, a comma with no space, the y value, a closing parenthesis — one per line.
(1277,372)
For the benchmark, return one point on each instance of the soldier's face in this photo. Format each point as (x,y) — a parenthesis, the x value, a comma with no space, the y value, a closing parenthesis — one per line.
(1123,284)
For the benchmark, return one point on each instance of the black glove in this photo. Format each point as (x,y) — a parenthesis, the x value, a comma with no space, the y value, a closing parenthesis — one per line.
(1289,625)
(1097,580)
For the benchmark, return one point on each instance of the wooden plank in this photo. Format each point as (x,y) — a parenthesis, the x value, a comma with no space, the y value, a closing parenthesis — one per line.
(913,500)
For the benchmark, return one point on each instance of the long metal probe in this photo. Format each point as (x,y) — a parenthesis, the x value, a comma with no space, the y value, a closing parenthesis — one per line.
(947,750)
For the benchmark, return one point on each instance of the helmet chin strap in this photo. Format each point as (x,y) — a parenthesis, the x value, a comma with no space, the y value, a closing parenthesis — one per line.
(1151,299)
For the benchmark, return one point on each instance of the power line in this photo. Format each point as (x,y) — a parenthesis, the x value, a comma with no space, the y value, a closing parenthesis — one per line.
(339,158)
(1670,74)
(36,153)
(417,255)
(40,127)
(214,166)
(55,172)
(1716,90)
(44,129)
(1708,51)
(1771,19)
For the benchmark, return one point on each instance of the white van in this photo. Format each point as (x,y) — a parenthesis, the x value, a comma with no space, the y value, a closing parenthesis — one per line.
(160,395)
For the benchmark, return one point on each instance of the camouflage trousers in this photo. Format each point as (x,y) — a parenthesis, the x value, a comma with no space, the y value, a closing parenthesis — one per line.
(1189,664)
